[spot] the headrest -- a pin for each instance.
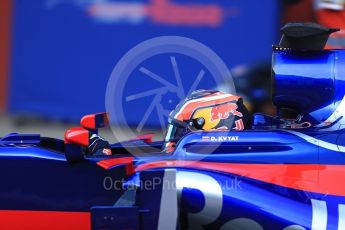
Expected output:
(305, 36)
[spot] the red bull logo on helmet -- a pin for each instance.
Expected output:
(224, 111)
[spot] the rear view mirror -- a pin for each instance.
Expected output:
(77, 136)
(95, 121)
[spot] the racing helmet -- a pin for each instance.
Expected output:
(207, 110)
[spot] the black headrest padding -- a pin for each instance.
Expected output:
(305, 36)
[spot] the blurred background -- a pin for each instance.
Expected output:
(56, 56)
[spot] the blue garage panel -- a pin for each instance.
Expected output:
(63, 51)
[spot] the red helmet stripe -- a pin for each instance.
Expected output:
(188, 109)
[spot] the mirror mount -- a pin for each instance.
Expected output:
(75, 140)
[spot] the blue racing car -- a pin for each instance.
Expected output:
(217, 168)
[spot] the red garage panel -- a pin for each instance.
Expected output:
(5, 18)
(301, 12)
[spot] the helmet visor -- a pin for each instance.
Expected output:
(176, 130)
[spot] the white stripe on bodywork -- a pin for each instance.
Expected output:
(168, 211)
(319, 219)
(323, 144)
(339, 112)
(203, 99)
(213, 197)
(341, 222)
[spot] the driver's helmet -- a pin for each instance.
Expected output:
(206, 110)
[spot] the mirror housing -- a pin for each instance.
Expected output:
(94, 121)
(79, 136)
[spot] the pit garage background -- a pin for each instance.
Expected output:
(57, 55)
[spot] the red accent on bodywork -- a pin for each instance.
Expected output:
(130, 169)
(148, 138)
(52, 220)
(325, 179)
(127, 161)
(78, 136)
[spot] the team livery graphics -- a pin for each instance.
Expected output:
(220, 138)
